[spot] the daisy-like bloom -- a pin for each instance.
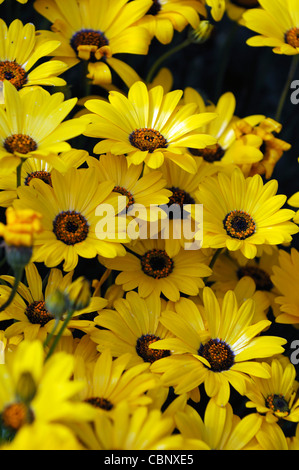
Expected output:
(229, 150)
(228, 270)
(20, 51)
(35, 391)
(276, 397)
(166, 16)
(32, 319)
(221, 429)
(39, 168)
(284, 278)
(140, 429)
(148, 126)
(109, 382)
(130, 327)
(95, 32)
(147, 190)
(218, 348)
(151, 269)
(272, 148)
(31, 125)
(276, 24)
(243, 213)
(183, 186)
(71, 210)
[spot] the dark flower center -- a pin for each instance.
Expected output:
(37, 313)
(88, 37)
(42, 175)
(239, 224)
(148, 354)
(124, 192)
(218, 354)
(155, 8)
(277, 403)
(156, 263)
(292, 37)
(70, 227)
(99, 402)
(147, 139)
(20, 143)
(209, 154)
(13, 72)
(15, 415)
(261, 278)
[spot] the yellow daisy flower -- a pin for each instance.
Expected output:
(284, 278)
(130, 327)
(276, 24)
(221, 429)
(32, 319)
(228, 270)
(270, 436)
(148, 126)
(109, 381)
(20, 50)
(31, 125)
(39, 168)
(249, 143)
(275, 397)
(220, 349)
(70, 209)
(146, 190)
(243, 213)
(35, 391)
(149, 268)
(166, 16)
(141, 429)
(96, 32)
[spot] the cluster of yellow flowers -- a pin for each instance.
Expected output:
(148, 258)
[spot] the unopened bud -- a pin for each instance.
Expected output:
(56, 303)
(202, 33)
(78, 294)
(18, 256)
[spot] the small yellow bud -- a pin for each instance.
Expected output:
(56, 303)
(21, 226)
(78, 294)
(202, 33)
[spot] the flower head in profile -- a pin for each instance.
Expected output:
(148, 126)
(243, 213)
(217, 345)
(166, 16)
(276, 23)
(20, 52)
(95, 32)
(31, 125)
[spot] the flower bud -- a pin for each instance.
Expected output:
(78, 294)
(56, 303)
(202, 33)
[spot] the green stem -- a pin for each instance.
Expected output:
(164, 57)
(286, 88)
(50, 336)
(19, 171)
(58, 336)
(18, 277)
(213, 261)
